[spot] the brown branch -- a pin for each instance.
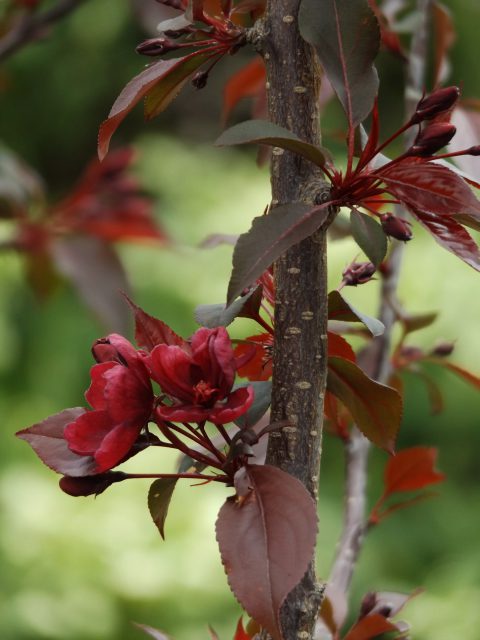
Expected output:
(33, 26)
(376, 359)
(299, 363)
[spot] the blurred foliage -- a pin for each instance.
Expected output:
(83, 569)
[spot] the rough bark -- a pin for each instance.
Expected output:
(300, 364)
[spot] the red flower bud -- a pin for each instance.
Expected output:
(396, 227)
(358, 273)
(156, 46)
(443, 349)
(434, 104)
(200, 79)
(432, 138)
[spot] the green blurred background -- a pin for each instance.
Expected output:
(83, 569)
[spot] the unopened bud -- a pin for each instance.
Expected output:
(437, 102)
(200, 79)
(156, 46)
(358, 273)
(396, 227)
(472, 151)
(432, 139)
(368, 603)
(443, 349)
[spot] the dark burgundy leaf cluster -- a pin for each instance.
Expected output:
(73, 237)
(205, 31)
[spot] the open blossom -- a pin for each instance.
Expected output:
(121, 397)
(198, 378)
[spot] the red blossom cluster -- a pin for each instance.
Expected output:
(196, 378)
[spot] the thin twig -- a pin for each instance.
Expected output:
(376, 359)
(33, 26)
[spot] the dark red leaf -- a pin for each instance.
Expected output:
(259, 366)
(459, 371)
(376, 408)
(248, 82)
(444, 37)
(369, 236)
(95, 270)
(269, 237)
(342, 311)
(163, 80)
(159, 497)
(450, 235)
(346, 36)
(265, 546)
(411, 469)
(419, 321)
(430, 187)
(46, 439)
(339, 347)
(240, 633)
(265, 132)
(369, 627)
(216, 315)
(150, 331)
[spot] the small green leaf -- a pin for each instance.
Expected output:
(376, 408)
(264, 132)
(369, 236)
(159, 497)
(342, 311)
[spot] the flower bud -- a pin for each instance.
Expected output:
(437, 102)
(156, 46)
(358, 273)
(432, 139)
(443, 349)
(200, 79)
(396, 227)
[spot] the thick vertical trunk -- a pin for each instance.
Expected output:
(300, 363)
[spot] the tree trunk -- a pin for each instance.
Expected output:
(300, 351)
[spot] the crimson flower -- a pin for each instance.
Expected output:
(122, 399)
(198, 377)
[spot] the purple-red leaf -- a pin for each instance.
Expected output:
(430, 187)
(376, 408)
(267, 537)
(411, 469)
(95, 270)
(216, 315)
(370, 626)
(269, 237)
(369, 236)
(46, 439)
(161, 81)
(265, 132)
(346, 35)
(450, 235)
(159, 497)
(150, 331)
(340, 310)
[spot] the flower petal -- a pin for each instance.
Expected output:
(236, 405)
(115, 446)
(174, 371)
(86, 433)
(95, 394)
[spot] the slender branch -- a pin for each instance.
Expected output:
(299, 360)
(33, 26)
(376, 359)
